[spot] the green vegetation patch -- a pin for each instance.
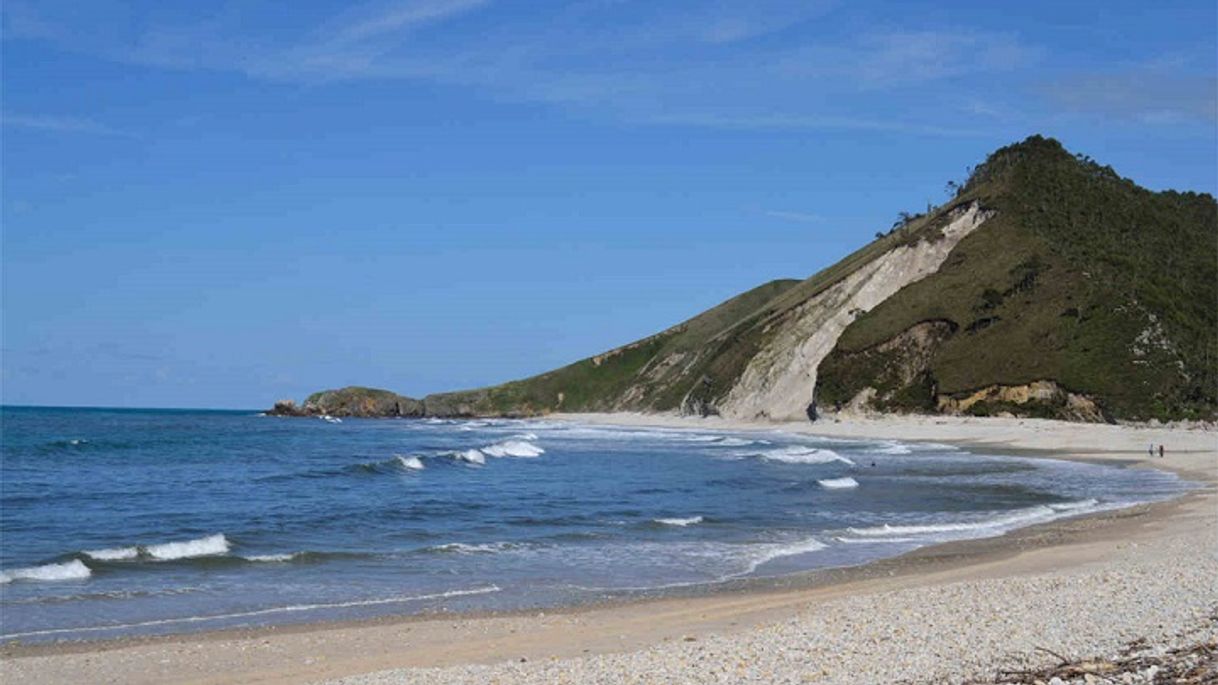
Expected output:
(1081, 277)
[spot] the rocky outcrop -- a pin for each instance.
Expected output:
(1040, 399)
(286, 408)
(351, 401)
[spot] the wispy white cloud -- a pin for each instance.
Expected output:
(58, 124)
(771, 64)
(402, 17)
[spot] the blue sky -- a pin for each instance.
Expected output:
(223, 204)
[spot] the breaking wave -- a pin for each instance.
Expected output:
(113, 553)
(724, 441)
(410, 463)
(838, 483)
(272, 558)
(465, 548)
(680, 521)
(798, 454)
(68, 570)
(770, 552)
(212, 545)
(513, 448)
(984, 528)
(468, 456)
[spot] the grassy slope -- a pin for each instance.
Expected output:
(1059, 285)
(705, 354)
(600, 382)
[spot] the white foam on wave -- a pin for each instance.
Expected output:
(797, 454)
(513, 448)
(470, 456)
(271, 558)
(895, 448)
(482, 548)
(113, 553)
(211, 545)
(740, 442)
(875, 541)
(261, 612)
(987, 527)
(689, 521)
(723, 440)
(411, 463)
(838, 483)
(68, 570)
(767, 553)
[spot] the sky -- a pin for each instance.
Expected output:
(224, 204)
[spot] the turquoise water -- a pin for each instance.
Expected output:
(116, 522)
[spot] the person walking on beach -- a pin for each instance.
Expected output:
(1151, 450)
(1160, 451)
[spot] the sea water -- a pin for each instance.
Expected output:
(119, 522)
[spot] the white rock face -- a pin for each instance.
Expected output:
(780, 380)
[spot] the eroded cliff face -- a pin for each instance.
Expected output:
(779, 382)
(1043, 398)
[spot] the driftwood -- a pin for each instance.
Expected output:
(1190, 665)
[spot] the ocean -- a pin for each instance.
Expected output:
(131, 522)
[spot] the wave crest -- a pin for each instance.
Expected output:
(682, 522)
(513, 448)
(466, 548)
(469, 456)
(410, 463)
(211, 545)
(798, 454)
(1040, 513)
(68, 570)
(113, 553)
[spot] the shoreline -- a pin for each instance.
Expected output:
(340, 648)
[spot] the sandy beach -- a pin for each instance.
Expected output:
(958, 612)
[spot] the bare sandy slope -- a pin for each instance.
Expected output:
(941, 614)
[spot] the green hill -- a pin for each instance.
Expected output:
(1081, 278)
(1047, 286)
